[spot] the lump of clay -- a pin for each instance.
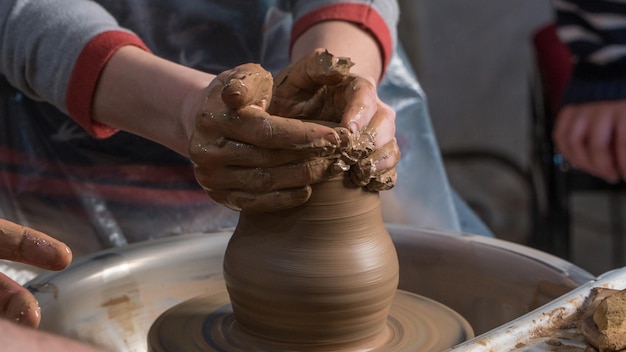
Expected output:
(610, 320)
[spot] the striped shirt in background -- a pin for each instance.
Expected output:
(595, 33)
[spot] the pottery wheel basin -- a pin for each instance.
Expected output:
(111, 298)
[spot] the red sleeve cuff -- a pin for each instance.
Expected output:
(359, 14)
(85, 75)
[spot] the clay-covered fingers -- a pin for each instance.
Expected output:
(380, 126)
(375, 131)
(377, 171)
(17, 304)
(29, 246)
(247, 84)
(250, 137)
(237, 133)
(245, 157)
(22, 244)
(319, 68)
(320, 87)
(305, 89)
(258, 180)
(253, 126)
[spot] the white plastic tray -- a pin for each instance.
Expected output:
(552, 327)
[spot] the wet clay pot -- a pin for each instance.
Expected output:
(322, 275)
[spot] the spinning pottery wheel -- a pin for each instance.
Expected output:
(319, 277)
(114, 297)
(206, 323)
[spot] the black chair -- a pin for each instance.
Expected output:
(554, 179)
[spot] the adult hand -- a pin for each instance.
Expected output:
(246, 158)
(320, 87)
(25, 245)
(592, 137)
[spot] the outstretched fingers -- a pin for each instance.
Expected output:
(17, 304)
(29, 246)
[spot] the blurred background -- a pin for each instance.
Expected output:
(475, 61)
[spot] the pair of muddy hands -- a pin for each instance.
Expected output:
(260, 142)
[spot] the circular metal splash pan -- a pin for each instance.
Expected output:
(111, 298)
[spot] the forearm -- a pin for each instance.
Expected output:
(154, 98)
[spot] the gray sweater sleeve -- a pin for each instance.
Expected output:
(40, 41)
